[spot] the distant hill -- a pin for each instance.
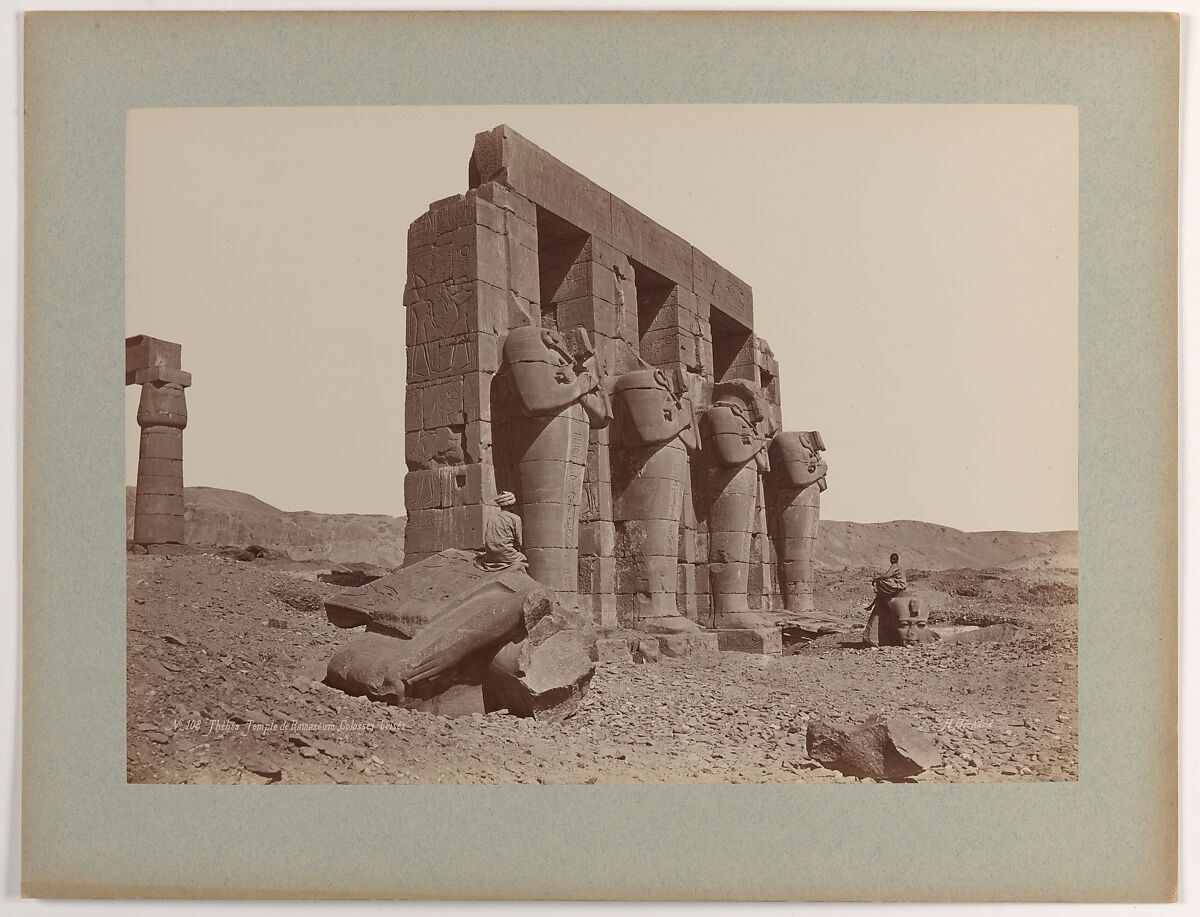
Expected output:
(226, 517)
(926, 546)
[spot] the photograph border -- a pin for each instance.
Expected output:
(1110, 836)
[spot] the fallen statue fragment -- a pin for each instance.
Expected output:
(447, 629)
(883, 748)
(993, 633)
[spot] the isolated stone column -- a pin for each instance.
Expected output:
(158, 516)
(798, 473)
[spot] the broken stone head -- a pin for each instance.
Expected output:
(912, 624)
(899, 620)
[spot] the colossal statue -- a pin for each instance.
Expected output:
(737, 430)
(656, 429)
(558, 398)
(445, 624)
(799, 478)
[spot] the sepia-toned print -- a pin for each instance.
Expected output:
(550, 480)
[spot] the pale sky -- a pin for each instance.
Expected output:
(914, 268)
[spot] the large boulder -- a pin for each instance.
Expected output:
(883, 748)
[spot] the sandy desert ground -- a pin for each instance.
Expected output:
(226, 659)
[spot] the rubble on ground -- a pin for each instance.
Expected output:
(212, 686)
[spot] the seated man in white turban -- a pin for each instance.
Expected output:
(502, 535)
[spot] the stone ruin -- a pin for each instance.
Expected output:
(158, 516)
(446, 636)
(564, 346)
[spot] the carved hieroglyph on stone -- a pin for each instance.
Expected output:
(656, 428)
(736, 434)
(557, 400)
(158, 516)
(445, 623)
(799, 478)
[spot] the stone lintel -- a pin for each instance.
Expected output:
(503, 156)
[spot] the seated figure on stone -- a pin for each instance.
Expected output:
(502, 535)
(897, 618)
(891, 582)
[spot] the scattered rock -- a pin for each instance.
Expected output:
(646, 650)
(298, 595)
(257, 764)
(154, 667)
(612, 650)
(253, 552)
(348, 579)
(885, 748)
(741, 715)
